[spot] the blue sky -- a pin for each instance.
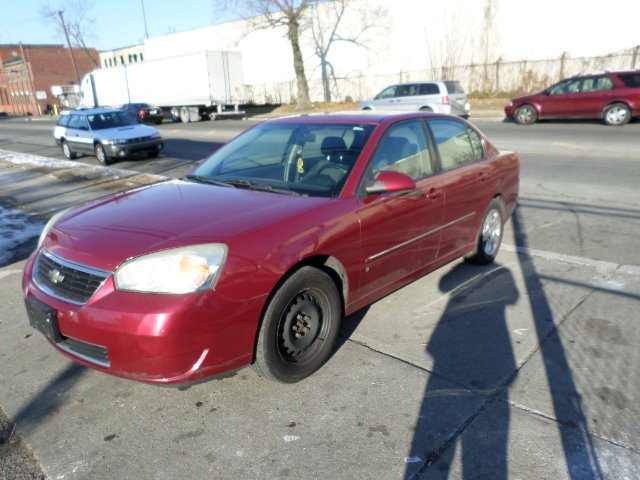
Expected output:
(118, 23)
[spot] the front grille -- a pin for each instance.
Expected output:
(138, 140)
(66, 280)
(86, 351)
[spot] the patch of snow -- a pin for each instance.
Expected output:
(16, 228)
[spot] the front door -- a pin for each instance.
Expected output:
(401, 231)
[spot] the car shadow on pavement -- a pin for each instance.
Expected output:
(473, 366)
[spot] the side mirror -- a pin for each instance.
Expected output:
(391, 182)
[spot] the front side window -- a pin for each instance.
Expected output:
(403, 149)
(568, 86)
(457, 144)
(388, 92)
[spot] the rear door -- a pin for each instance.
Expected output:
(596, 93)
(465, 180)
(77, 134)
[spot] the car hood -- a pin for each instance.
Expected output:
(528, 98)
(125, 133)
(105, 233)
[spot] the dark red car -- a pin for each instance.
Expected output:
(612, 96)
(256, 256)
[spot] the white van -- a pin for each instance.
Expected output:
(433, 96)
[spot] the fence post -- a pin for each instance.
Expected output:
(563, 57)
(496, 87)
(635, 56)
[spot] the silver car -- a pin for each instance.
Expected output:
(433, 96)
(106, 133)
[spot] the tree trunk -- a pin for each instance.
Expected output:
(325, 80)
(298, 65)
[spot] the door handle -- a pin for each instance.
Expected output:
(483, 176)
(434, 193)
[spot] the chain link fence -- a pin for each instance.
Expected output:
(498, 79)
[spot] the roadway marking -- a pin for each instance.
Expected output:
(570, 145)
(582, 261)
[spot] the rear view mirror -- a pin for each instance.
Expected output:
(391, 182)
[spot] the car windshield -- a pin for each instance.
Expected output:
(312, 159)
(102, 121)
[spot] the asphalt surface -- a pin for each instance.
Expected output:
(523, 369)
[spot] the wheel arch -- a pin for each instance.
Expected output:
(325, 263)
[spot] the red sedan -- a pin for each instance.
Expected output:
(256, 256)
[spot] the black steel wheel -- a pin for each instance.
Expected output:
(299, 327)
(489, 235)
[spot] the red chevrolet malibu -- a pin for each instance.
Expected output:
(256, 256)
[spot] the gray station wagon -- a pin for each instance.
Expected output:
(445, 96)
(106, 133)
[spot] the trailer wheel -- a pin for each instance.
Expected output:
(185, 116)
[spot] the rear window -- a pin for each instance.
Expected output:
(631, 80)
(454, 87)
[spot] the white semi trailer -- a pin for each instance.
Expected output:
(192, 86)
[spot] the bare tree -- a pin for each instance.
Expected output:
(76, 21)
(325, 21)
(290, 14)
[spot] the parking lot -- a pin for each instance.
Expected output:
(526, 368)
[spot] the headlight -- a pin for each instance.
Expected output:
(52, 221)
(156, 136)
(179, 270)
(114, 142)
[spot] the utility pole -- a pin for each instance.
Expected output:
(33, 88)
(144, 17)
(66, 35)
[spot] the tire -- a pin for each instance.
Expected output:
(66, 150)
(489, 236)
(616, 114)
(426, 109)
(101, 155)
(526, 115)
(299, 327)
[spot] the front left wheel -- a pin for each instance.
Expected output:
(101, 155)
(299, 327)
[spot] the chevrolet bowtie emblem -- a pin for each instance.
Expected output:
(55, 276)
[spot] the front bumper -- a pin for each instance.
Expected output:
(128, 149)
(153, 338)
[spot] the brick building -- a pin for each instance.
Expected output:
(45, 66)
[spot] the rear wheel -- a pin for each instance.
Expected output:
(66, 149)
(526, 115)
(616, 114)
(490, 234)
(101, 155)
(299, 327)
(426, 109)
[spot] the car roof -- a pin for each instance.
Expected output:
(90, 111)
(359, 116)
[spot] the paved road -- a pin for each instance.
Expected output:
(525, 369)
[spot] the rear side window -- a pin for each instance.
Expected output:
(454, 87)
(64, 120)
(429, 89)
(630, 80)
(597, 84)
(407, 90)
(458, 145)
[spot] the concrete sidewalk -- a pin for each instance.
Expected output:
(525, 369)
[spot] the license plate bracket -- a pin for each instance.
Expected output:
(43, 318)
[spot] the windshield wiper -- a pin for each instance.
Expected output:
(211, 181)
(242, 183)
